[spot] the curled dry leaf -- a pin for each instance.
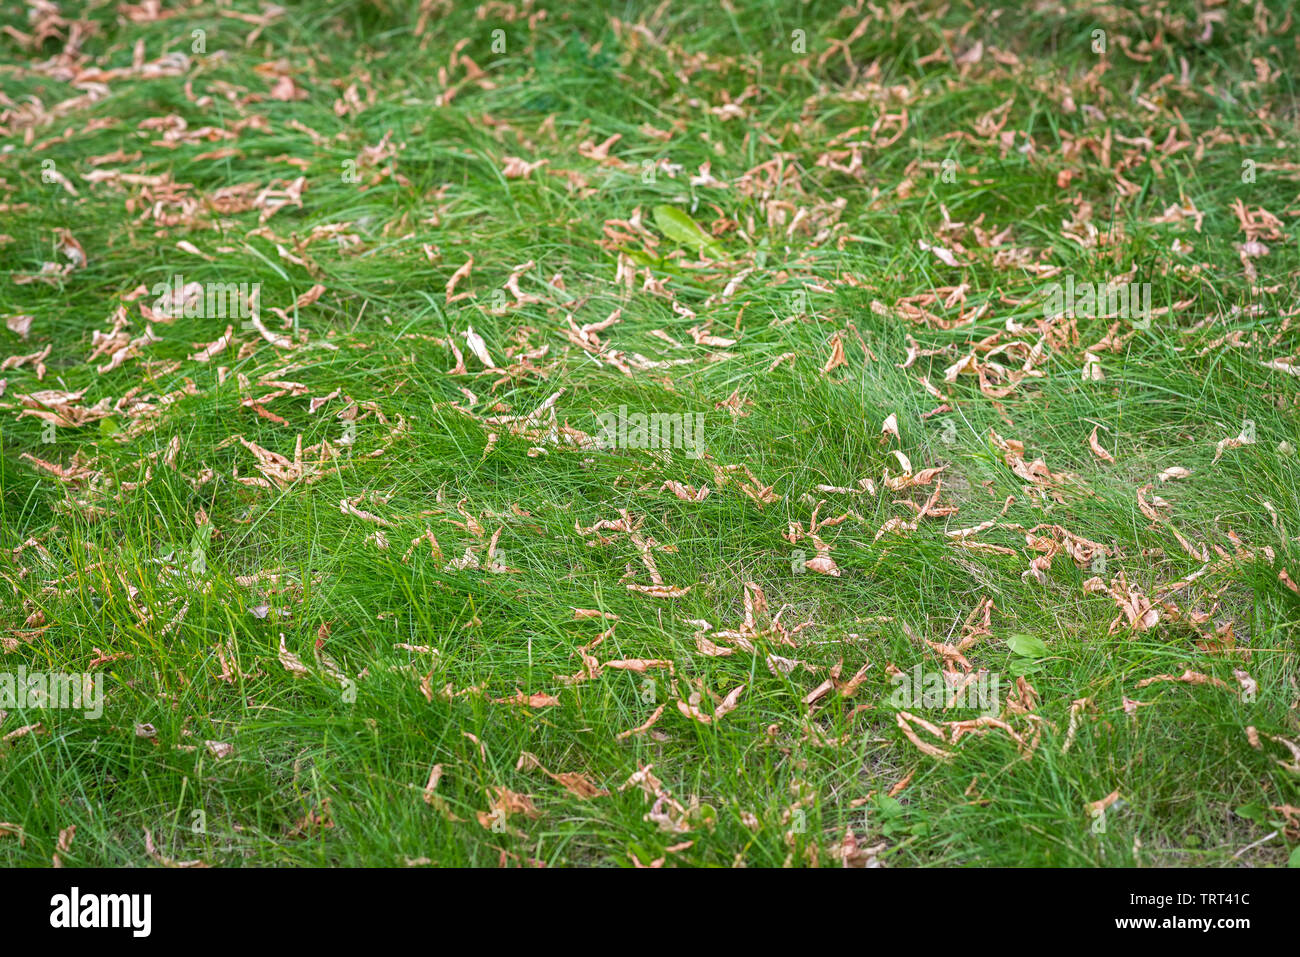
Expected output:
(660, 591)
(905, 721)
(1294, 765)
(1092, 371)
(291, 662)
(1077, 708)
(63, 845)
(537, 700)
(576, 784)
(165, 861)
(19, 325)
(1187, 677)
(479, 347)
(852, 854)
(890, 427)
(643, 727)
(1246, 437)
(274, 338)
(435, 800)
(837, 358)
(639, 665)
(1094, 808)
(22, 732)
(67, 244)
(687, 493)
(1096, 448)
(504, 805)
(727, 705)
(823, 564)
(347, 508)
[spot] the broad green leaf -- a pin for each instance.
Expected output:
(1024, 667)
(1027, 646)
(680, 228)
(1253, 812)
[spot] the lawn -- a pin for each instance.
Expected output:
(683, 434)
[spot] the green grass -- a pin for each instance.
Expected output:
(151, 566)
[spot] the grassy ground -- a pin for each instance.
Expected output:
(362, 584)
